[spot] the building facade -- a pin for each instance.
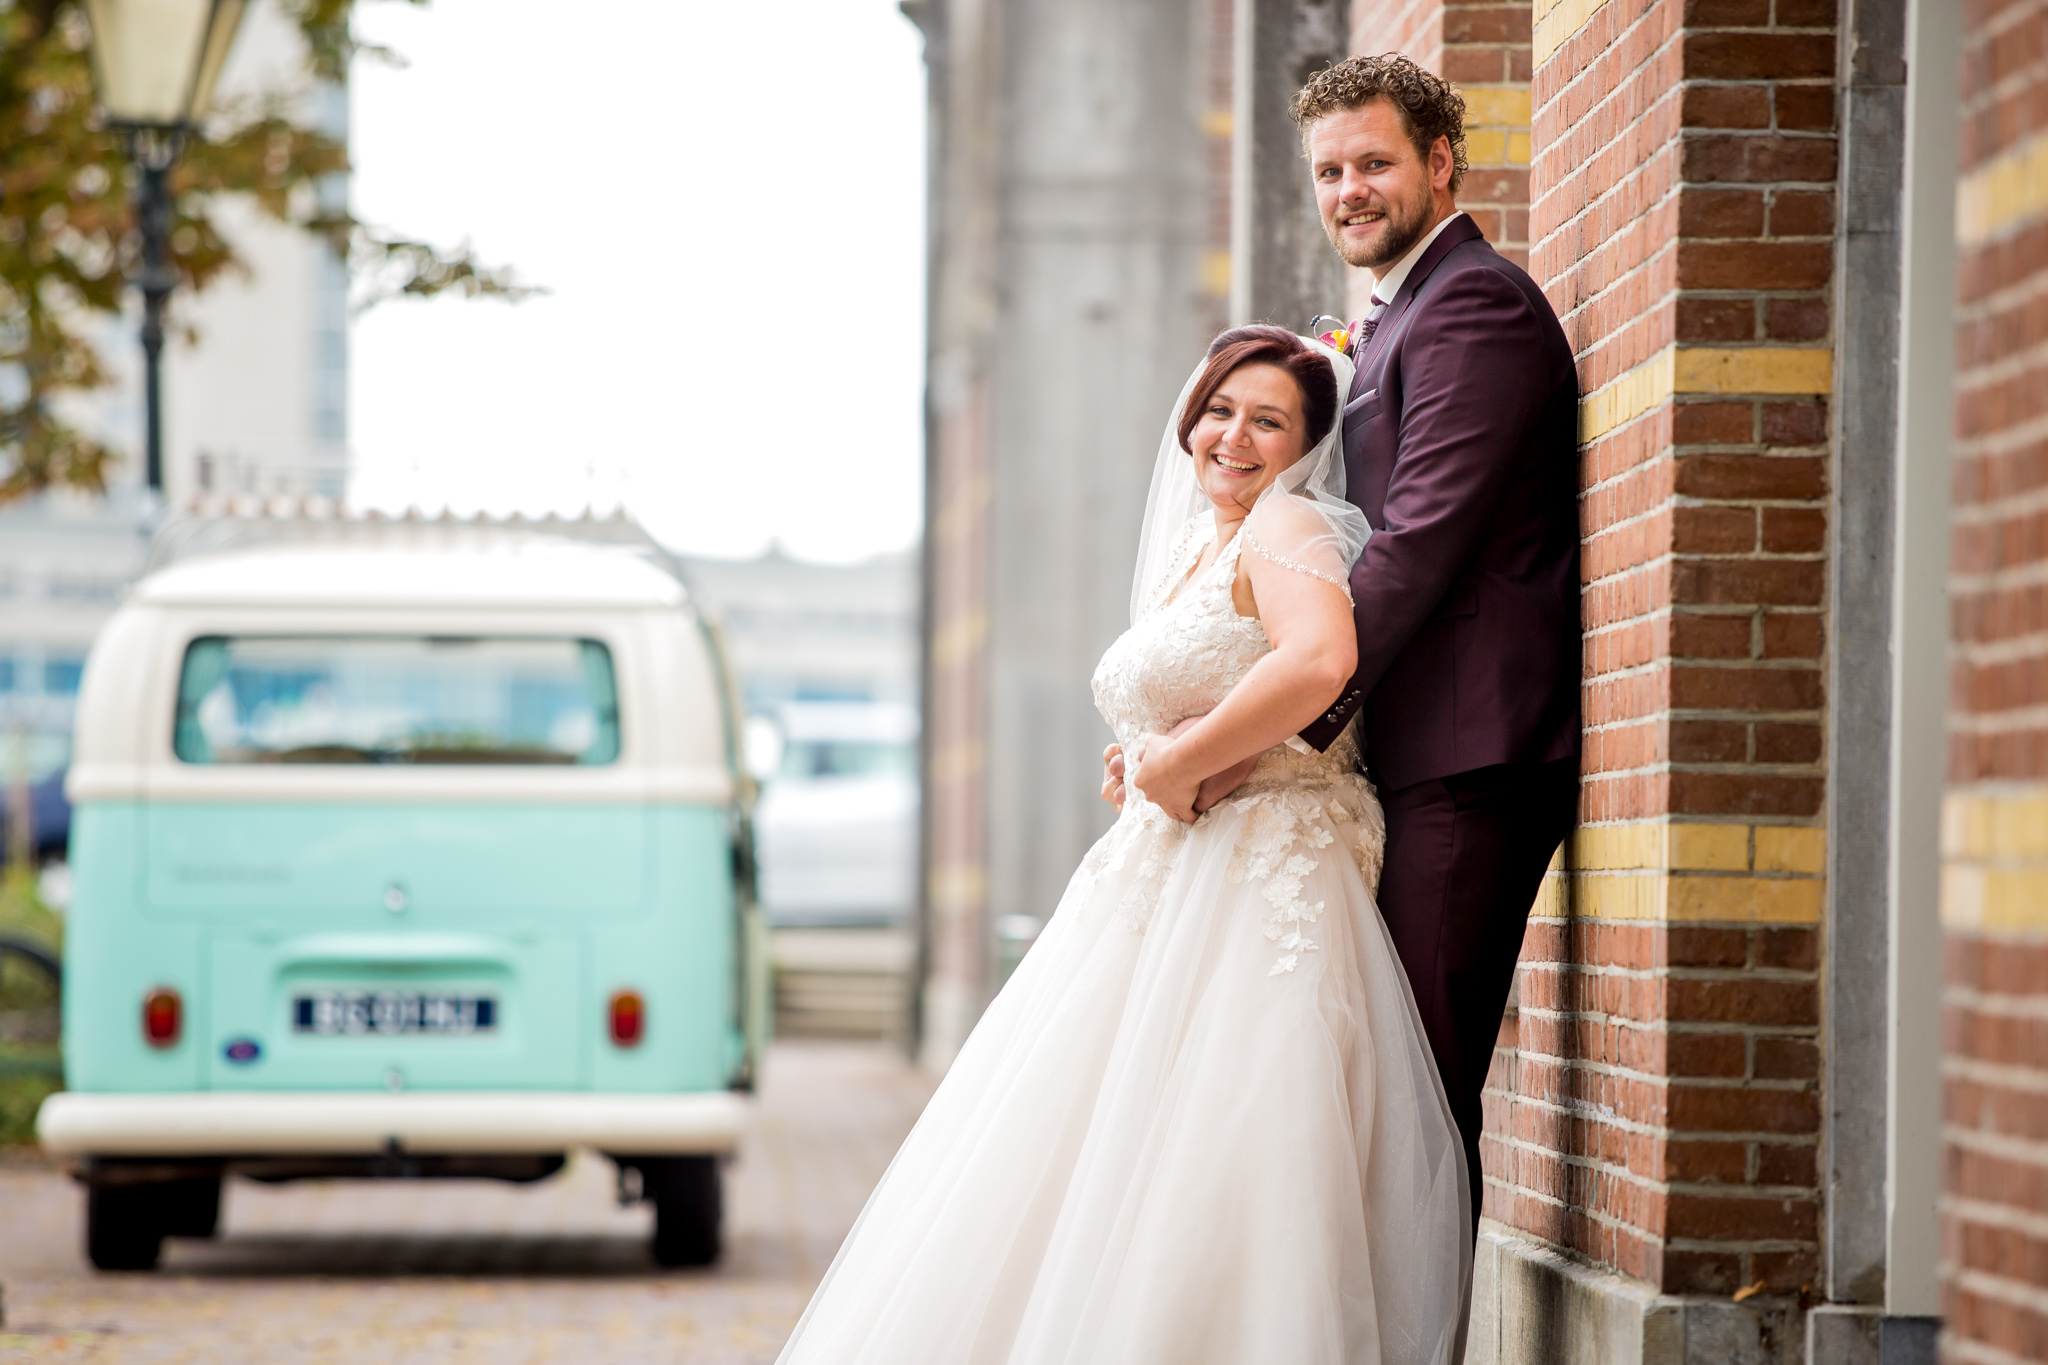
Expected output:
(1774, 1084)
(797, 631)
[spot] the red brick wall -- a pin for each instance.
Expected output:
(1995, 892)
(1486, 55)
(1659, 1109)
(1414, 27)
(1655, 1103)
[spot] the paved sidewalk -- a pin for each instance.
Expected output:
(478, 1271)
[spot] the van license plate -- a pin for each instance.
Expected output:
(388, 1012)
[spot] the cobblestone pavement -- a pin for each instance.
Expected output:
(458, 1271)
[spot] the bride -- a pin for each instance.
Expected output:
(1200, 1124)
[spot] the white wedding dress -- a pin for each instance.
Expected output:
(1200, 1125)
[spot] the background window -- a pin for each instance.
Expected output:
(340, 699)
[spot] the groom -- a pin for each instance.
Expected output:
(1461, 448)
(1460, 445)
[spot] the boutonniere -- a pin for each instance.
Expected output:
(1338, 338)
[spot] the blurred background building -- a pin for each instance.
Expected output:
(826, 658)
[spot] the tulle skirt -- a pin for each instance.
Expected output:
(1200, 1124)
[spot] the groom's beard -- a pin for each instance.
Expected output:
(1405, 224)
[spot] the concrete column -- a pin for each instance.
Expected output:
(1920, 657)
(1101, 315)
(1872, 66)
(1282, 269)
(1070, 214)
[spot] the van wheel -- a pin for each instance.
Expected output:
(688, 1208)
(123, 1227)
(191, 1207)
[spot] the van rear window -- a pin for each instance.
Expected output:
(396, 699)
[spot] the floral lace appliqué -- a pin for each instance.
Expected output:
(1161, 837)
(1275, 848)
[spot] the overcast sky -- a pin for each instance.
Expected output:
(726, 205)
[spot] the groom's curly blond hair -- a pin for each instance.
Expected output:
(1429, 105)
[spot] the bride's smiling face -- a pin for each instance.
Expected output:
(1252, 429)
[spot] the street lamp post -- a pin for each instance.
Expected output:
(154, 65)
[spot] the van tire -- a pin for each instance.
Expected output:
(689, 1207)
(123, 1227)
(190, 1207)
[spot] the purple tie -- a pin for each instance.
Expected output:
(1371, 323)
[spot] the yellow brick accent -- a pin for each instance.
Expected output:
(1216, 273)
(960, 518)
(1791, 848)
(1751, 900)
(959, 637)
(1754, 369)
(955, 887)
(1555, 21)
(1689, 872)
(2004, 192)
(1496, 106)
(1519, 153)
(1628, 397)
(1681, 900)
(1994, 845)
(1703, 369)
(1486, 146)
(956, 762)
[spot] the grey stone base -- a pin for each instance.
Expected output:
(1531, 1306)
(1837, 1334)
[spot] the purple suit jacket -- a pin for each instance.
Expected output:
(1461, 448)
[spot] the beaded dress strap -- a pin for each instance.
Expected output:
(1285, 563)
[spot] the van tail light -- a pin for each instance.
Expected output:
(163, 1017)
(628, 1018)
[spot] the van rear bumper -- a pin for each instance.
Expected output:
(329, 1123)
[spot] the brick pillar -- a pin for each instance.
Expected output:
(1663, 1117)
(1995, 825)
(1218, 124)
(1482, 47)
(954, 934)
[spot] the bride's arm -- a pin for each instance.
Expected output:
(1315, 650)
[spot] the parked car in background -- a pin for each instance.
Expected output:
(836, 827)
(407, 850)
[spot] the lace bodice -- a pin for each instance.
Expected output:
(1188, 649)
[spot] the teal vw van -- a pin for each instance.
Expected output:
(405, 850)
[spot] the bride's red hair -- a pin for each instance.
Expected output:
(1261, 344)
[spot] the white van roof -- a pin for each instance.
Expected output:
(498, 569)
